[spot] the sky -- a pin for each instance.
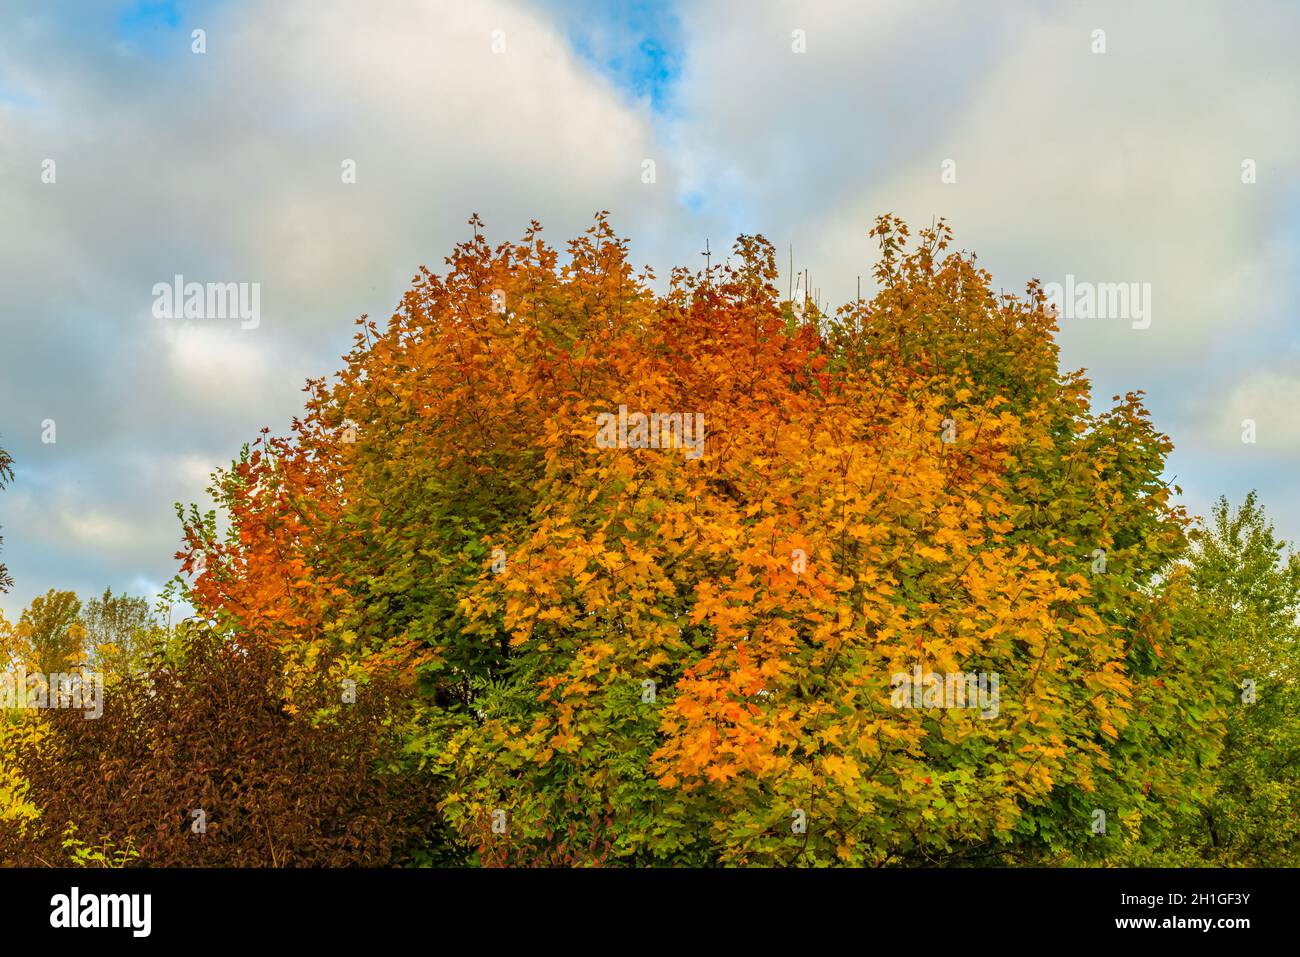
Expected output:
(1106, 142)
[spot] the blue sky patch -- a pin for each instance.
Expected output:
(150, 24)
(637, 45)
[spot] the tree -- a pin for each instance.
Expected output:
(49, 633)
(120, 632)
(1251, 581)
(661, 656)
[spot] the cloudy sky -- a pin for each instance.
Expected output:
(127, 158)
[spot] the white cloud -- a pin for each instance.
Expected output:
(226, 167)
(214, 362)
(96, 529)
(1122, 166)
(1271, 399)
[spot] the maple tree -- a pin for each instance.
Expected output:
(643, 656)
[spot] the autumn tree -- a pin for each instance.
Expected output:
(50, 634)
(635, 653)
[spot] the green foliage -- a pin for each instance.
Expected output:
(120, 633)
(1246, 811)
(81, 854)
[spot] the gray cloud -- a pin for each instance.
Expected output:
(226, 167)
(1122, 166)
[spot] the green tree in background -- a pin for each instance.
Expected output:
(1252, 581)
(119, 632)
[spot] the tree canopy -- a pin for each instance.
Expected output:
(572, 566)
(691, 656)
